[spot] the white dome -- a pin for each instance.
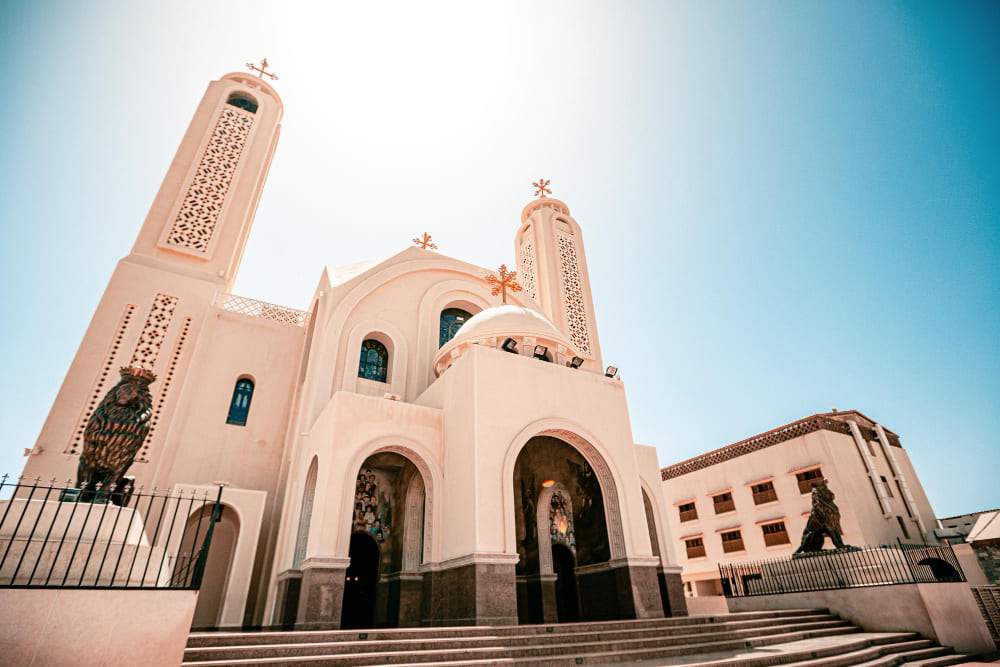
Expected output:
(507, 321)
(494, 325)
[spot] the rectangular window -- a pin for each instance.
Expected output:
(695, 547)
(888, 488)
(688, 512)
(902, 527)
(724, 503)
(732, 541)
(902, 496)
(764, 493)
(775, 534)
(806, 477)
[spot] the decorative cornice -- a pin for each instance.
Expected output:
(831, 421)
(475, 558)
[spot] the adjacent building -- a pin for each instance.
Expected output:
(750, 500)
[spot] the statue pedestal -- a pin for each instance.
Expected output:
(839, 568)
(85, 544)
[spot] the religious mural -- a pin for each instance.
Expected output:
(561, 522)
(373, 504)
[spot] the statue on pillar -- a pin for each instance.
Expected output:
(824, 519)
(113, 436)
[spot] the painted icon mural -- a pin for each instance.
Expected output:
(373, 504)
(561, 521)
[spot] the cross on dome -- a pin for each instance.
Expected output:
(507, 280)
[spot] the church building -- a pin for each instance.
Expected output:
(425, 443)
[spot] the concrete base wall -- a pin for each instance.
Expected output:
(94, 627)
(707, 604)
(944, 612)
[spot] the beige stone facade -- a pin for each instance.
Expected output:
(750, 500)
(387, 416)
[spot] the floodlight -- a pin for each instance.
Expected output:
(576, 362)
(510, 345)
(611, 371)
(540, 351)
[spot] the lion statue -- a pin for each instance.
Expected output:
(824, 519)
(114, 435)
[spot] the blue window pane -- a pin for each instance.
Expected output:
(374, 361)
(452, 320)
(239, 406)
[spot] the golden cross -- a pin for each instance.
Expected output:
(262, 70)
(542, 188)
(425, 242)
(507, 280)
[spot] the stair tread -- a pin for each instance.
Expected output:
(583, 637)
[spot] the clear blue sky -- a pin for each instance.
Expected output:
(787, 206)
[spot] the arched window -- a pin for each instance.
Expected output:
(374, 361)
(452, 320)
(239, 407)
(242, 102)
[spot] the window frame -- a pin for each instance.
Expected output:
(367, 345)
(233, 416)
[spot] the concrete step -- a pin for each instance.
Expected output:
(877, 654)
(566, 653)
(624, 639)
(200, 639)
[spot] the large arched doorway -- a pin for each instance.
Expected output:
(387, 514)
(361, 584)
(559, 509)
(215, 578)
(567, 597)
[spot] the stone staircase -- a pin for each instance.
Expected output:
(810, 637)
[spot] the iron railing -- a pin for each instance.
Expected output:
(873, 566)
(56, 536)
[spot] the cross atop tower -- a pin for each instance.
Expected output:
(262, 70)
(507, 280)
(542, 188)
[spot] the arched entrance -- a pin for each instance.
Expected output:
(559, 509)
(215, 579)
(941, 569)
(388, 511)
(361, 583)
(567, 598)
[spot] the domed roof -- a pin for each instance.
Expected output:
(505, 321)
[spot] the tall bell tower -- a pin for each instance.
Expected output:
(188, 249)
(553, 269)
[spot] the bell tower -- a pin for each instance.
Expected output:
(201, 217)
(187, 251)
(553, 269)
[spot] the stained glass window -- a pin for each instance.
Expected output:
(239, 407)
(452, 320)
(374, 361)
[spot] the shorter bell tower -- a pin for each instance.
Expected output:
(553, 269)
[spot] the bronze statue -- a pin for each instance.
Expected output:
(113, 437)
(824, 519)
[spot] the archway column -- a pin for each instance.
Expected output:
(321, 594)
(475, 589)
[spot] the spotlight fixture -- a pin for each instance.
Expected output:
(611, 371)
(391, 397)
(510, 345)
(547, 483)
(576, 362)
(540, 351)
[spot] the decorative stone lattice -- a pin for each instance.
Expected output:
(165, 382)
(97, 393)
(528, 268)
(262, 309)
(154, 331)
(195, 223)
(572, 289)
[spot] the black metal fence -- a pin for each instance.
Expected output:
(56, 536)
(855, 568)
